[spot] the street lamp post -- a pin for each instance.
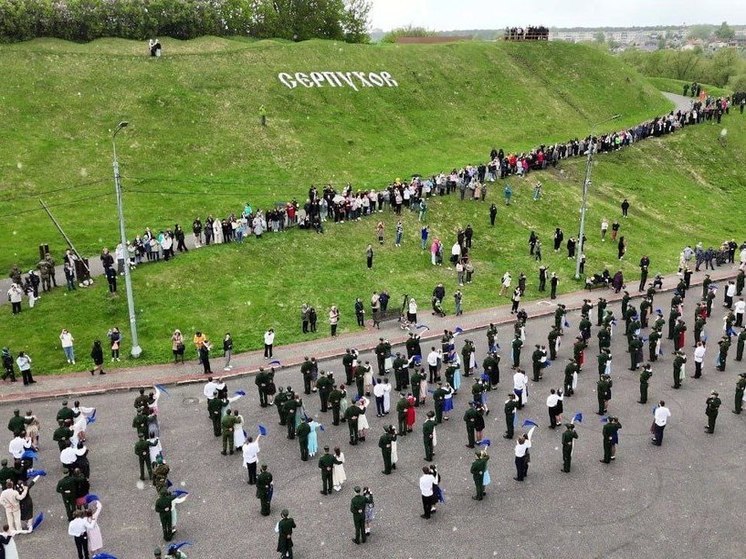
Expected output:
(136, 349)
(586, 186)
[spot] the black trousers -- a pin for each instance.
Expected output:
(267, 350)
(81, 543)
(252, 472)
(427, 503)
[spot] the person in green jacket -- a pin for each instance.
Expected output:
(740, 389)
(510, 410)
(66, 487)
(384, 443)
(357, 508)
(163, 507)
(215, 408)
(290, 408)
(609, 433)
(568, 440)
(335, 402)
(142, 451)
(326, 465)
(351, 415)
(470, 418)
(428, 436)
(417, 376)
(285, 535)
(228, 424)
(478, 467)
(16, 423)
(264, 489)
(647, 372)
(304, 429)
(711, 411)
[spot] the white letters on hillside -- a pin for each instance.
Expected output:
(354, 80)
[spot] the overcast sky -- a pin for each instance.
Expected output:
(443, 15)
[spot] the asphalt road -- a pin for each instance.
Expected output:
(683, 499)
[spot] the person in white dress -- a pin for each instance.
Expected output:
(394, 447)
(239, 435)
(338, 471)
(362, 420)
(386, 396)
(8, 543)
(95, 541)
(217, 232)
(156, 449)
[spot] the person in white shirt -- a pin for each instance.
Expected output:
(67, 341)
(24, 365)
(68, 457)
(378, 392)
(739, 309)
(730, 292)
(662, 413)
(520, 387)
(433, 359)
(78, 529)
(522, 446)
(554, 405)
(269, 339)
(699, 356)
(19, 445)
(250, 457)
(427, 480)
(10, 499)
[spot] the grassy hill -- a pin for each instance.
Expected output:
(467, 98)
(195, 145)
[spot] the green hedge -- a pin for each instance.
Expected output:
(86, 20)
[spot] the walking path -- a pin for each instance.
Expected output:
(292, 355)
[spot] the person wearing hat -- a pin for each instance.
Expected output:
(142, 451)
(603, 393)
(7, 473)
(678, 368)
(357, 508)
(723, 347)
(66, 487)
(16, 423)
(160, 473)
(439, 397)
(385, 444)
(326, 465)
(429, 435)
(324, 385)
(711, 411)
(478, 467)
(264, 489)
(163, 508)
(335, 402)
(740, 389)
(470, 418)
(351, 415)
(284, 530)
(228, 424)
(302, 432)
(568, 438)
(65, 413)
(290, 408)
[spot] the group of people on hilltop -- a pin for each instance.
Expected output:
(530, 33)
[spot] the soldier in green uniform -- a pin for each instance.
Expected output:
(608, 432)
(439, 397)
(262, 382)
(740, 389)
(417, 376)
(740, 344)
(515, 347)
(510, 410)
(477, 470)
(711, 411)
(215, 408)
(699, 325)
(401, 414)
(601, 310)
(160, 474)
(625, 302)
(568, 438)
(279, 402)
(304, 429)
(347, 360)
(7, 473)
(384, 443)
(635, 352)
(357, 508)
(163, 508)
(360, 371)
(62, 435)
(335, 401)
(645, 375)
(492, 338)
(16, 424)
(228, 424)
(351, 415)
(723, 347)
(570, 369)
(536, 364)
(66, 487)
(264, 487)
(678, 364)
(326, 465)
(653, 338)
(554, 333)
(428, 435)
(603, 393)
(585, 327)
(142, 451)
(400, 372)
(285, 535)
(290, 408)
(491, 366)
(324, 385)
(142, 401)
(140, 421)
(306, 369)
(603, 358)
(65, 413)
(470, 418)
(559, 313)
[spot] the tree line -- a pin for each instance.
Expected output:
(86, 20)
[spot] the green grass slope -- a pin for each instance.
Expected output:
(683, 189)
(195, 145)
(677, 86)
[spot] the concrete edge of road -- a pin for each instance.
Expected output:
(196, 378)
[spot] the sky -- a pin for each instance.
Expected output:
(445, 15)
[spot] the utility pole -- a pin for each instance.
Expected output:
(136, 349)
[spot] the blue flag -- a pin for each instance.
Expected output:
(578, 417)
(162, 388)
(103, 556)
(659, 311)
(321, 427)
(275, 363)
(654, 408)
(174, 547)
(179, 492)
(34, 473)
(263, 430)
(731, 332)
(567, 324)
(29, 455)
(38, 520)
(515, 420)
(91, 418)
(529, 423)
(239, 393)
(417, 359)
(169, 483)
(485, 442)
(485, 377)
(604, 419)
(498, 347)
(423, 327)
(90, 498)
(458, 330)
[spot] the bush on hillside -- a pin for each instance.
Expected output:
(408, 31)
(85, 20)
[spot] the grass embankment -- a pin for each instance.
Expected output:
(675, 186)
(677, 86)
